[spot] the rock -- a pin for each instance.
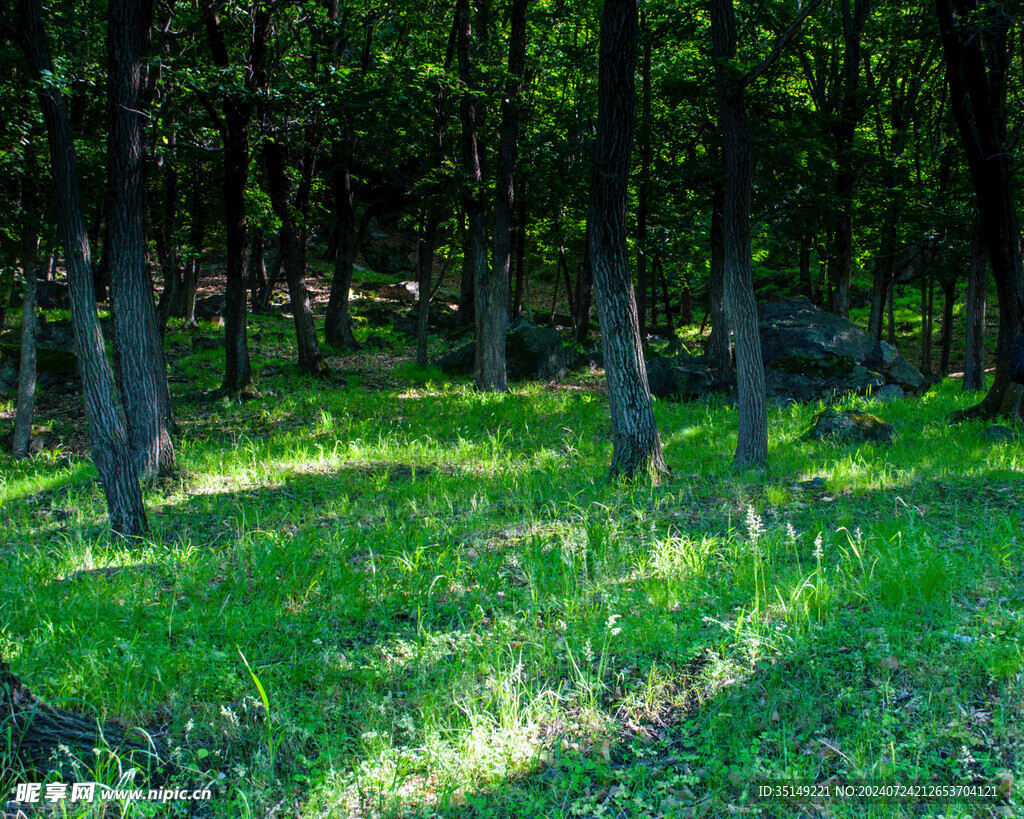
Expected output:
(442, 317)
(886, 394)
(998, 434)
(531, 352)
(798, 339)
(795, 327)
(50, 295)
(403, 291)
(680, 378)
(887, 360)
(850, 427)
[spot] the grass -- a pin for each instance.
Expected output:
(403, 598)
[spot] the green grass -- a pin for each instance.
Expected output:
(422, 601)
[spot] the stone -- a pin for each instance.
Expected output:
(531, 352)
(679, 378)
(402, 291)
(998, 434)
(886, 394)
(850, 427)
(798, 339)
(887, 360)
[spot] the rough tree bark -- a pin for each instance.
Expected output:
(138, 348)
(844, 130)
(974, 319)
(109, 442)
(719, 343)
(636, 446)
(490, 303)
(22, 441)
(234, 128)
(293, 258)
(493, 295)
(976, 54)
(738, 162)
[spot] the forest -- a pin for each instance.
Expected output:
(511, 408)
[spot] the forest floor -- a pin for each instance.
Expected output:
(382, 594)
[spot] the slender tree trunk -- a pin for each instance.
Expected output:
(636, 446)
(844, 132)
(167, 248)
(256, 275)
(976, 65)
(27, 366)
(517, 298)
(111, 452)
(137, 340)
(196, 234)
(974, 355)
(719, 345)
(645, 179)
(948, 300)
(584, 297)
(425, 248)
(806, 242)
(927, 283)
(238, 108)
(293, 258)
(738, 161)
(338, 322)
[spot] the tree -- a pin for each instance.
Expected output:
(636, 446)
(975, 36)
(110, 449)
(493, 296)
(738, 165)
(138, 351)
(237, 104)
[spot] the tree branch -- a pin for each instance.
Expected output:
(781, 42)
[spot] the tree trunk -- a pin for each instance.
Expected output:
(425, 249)
(517, 297)
(111, 453)
(256, 275)
(645, 179)
(844, 132)
(27, 366)
(948, 300)
(738, 161)
(138, 347)
(806, 242)
(926, 324)
(294, 259)
(167, 249)
(974, 354)
(196, 234)
(636, 446)
(489, 295)
(584, 298)
(337, 321)
(719, 344)
(976, 64)
(238, 109)
(494, 325)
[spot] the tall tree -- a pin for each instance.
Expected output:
(138, 350)
(738, 278)
(234, 126)
(975, 44)
(490, 307)
(636, 445)
(109, 442)
(494, 294)
(844, 129)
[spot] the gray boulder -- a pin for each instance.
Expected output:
(799, 339)
(680, 378)
(850, 427)
(531, 352)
